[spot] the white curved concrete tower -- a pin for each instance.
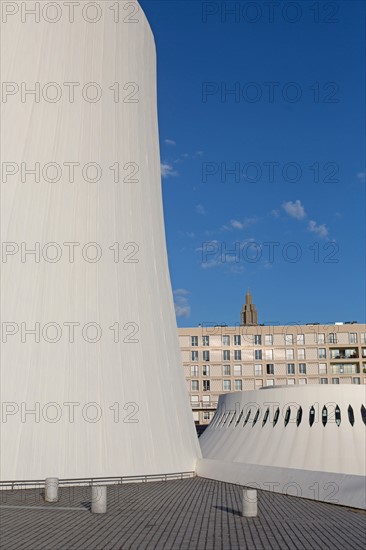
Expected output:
(101, 370)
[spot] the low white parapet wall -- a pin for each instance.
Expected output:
(343, 489)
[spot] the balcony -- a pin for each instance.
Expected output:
(344, 353)
(204, 405)
(345, 368)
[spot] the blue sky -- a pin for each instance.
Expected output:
(293, 211)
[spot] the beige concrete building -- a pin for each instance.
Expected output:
(223, 359)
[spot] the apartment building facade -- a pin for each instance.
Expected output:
(223, 359)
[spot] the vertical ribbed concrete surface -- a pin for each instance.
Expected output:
(103, 370)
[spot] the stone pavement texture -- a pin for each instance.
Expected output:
(186, 515)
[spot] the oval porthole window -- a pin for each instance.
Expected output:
(240, 417)
(247, 418)
(299, 416)
(351, 416)
(363, 413)
(311, 416)
(265, 418)
(226, 416)
(256, 417)
(324, 415)
(216, 421)
(232, 418)
(338, 415)
(287, 415)
(276, 416)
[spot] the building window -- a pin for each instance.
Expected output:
(226, 370)
(268, 354)
(344, 353)
(258, 354)
(206, 370)
(206, 385)
(344, 368)
(226, 355)
(290, 368)
(257, 340)
(335, 380)
(322, 368)
(194, 341)
(352, 338)
(194, 355)
(237, 354)
(302, 381)
(194, 370)
(206, 415)
(322, 353)
(226, 340)
(270, 368)
(291, 381)
(289, 354)
(258, 370)
(300, 339)
(363, 337)
(205, 340)
(270, 382)
(302, 368)
(226, 385)
(238, 385)
(321, 338)
(195, 385)
(268, 340)
(332, 338)
(324, 380)
(237, 370)
(356, 380)
(289, 339)
(206, 355)
(300, 354)
(237, 340)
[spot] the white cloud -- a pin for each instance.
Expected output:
(170, 142)
(320, 230)
(361, 176)
(181, 292)
(200, 209)
(294, 209)
(181, 305)
(236, 224)
(167, 171)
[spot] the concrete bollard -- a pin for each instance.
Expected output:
(51, 489)
(99, 499)
(250, 508)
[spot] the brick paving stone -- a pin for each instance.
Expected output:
(192, 514)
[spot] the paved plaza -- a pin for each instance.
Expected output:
(186, 515)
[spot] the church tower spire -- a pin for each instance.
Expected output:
(249, 314)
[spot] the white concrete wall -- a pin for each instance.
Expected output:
(156, 435)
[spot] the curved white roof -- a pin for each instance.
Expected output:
(303, 434)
